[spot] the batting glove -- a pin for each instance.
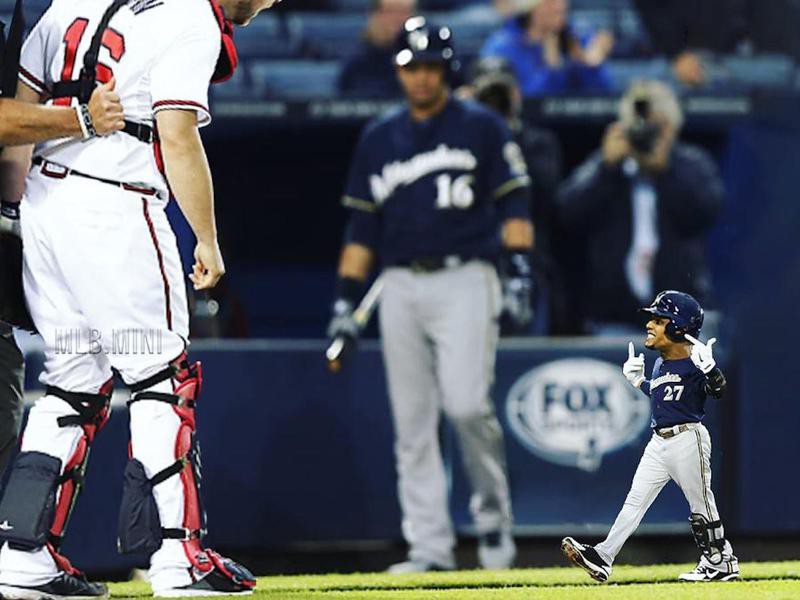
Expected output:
(517, 285)
(9, 218)
(702, 355)
(633, 369)
(342, 323)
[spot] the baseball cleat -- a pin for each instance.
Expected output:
(587, 558)
(227, 578)
(63, 587)
(496, 550)
(704, 572)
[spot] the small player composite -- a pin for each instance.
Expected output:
(683, 376)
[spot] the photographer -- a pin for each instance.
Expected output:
(642, 205)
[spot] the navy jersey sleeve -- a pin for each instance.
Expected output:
(507, 172)
(645, 387)
(364, 225)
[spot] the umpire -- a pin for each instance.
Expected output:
(22, 123)
(11, 362)
(440, 191)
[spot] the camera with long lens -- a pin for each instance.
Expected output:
(642, 133)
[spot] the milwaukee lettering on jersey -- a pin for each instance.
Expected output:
(398, 173)
(668, 378)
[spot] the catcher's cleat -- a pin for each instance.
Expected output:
(225, 578)
(587, 558)
(63, 587)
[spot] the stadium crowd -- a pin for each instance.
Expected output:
(318, 48)
(510, 50)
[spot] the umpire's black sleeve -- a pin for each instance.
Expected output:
(11, 374)
(587, 191)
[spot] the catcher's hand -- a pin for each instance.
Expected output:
(702, 355)
(208, 266)
(633, 369)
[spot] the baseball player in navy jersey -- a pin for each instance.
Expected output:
(683, 376)
(106, 290)
(439, 191)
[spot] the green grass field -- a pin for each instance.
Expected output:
(759, 581)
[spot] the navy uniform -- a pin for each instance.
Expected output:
(429, 197)
(11, 361)
(680, 448)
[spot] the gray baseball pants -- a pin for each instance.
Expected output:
(440, 333)
(684, 458)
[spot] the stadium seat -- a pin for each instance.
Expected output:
(238, 87)
(592, 20)
(601, 4)
(326, 35)
(266, 37)
(470, 29)
(624, 72)
(632, 39)
(359, 6)
(294, 79)
(767, 70)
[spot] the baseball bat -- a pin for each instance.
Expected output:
(361, 315)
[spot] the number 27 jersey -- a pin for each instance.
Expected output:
(162, 54)
(677, 389)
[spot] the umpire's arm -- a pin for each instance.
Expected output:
(25, 121)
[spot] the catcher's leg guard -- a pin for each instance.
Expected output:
(39, 498)
(709, 537)
(140, 526)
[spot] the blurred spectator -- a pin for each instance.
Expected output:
(685, 31)
(547, 57)
(643, 204)
(495, 86)
(689, 33)
(370, 70)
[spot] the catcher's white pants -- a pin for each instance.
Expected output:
(684, 458)
(105, 288)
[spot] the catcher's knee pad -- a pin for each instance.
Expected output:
(709, 537)
(140, 528)
(39, 498)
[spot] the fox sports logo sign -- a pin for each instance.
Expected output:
(572, 412)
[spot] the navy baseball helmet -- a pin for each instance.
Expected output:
(423, 41)
(684, 313)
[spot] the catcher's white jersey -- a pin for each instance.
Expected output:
(162, 54)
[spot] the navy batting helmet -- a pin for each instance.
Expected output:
(684, 313)
(423, 41)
